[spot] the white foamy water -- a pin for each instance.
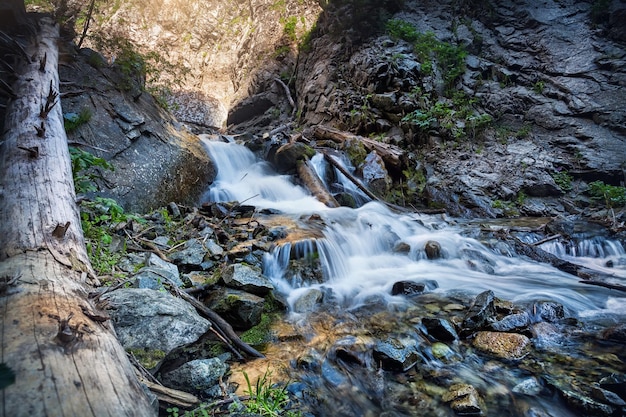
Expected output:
(364, 251)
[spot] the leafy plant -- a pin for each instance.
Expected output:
(98, 219)
(612, 195)
(267, 399)
(538, 87)
(82, 161)
(72, 121)
(563, 180)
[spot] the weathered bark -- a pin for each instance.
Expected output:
(391, 155)
(313, 183)
(65, 363)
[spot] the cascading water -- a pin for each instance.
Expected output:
(363, 252)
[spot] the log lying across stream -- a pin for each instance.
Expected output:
(393, 156)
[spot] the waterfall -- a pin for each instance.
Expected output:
(364, 251)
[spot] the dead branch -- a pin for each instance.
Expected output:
(288, 94)
(219, 322)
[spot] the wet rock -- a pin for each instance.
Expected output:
(584, 404)
(481, 311)
(615, 383)
(412, 287)
(396, 354)
(149, 319)
(513, 322)
(308, 300)
(615, 333)
(191, 257)
(545, 335)
(241, 309)
(200, 376)
(529, 386)
(464, 400)
(441, 351)
(432, 249)
(375, 174)
(502, 345)
(607, 397)
(156, 272)
(402, 247)
(247, 278)
(288, 155)
(440, 329)
(550, 311)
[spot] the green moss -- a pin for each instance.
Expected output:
(261, 334)
(356, 152)
(148, 358)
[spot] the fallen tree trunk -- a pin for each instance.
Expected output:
(315, 185)
(392, 155)
(65, 361)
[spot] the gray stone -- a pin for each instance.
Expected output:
(241, 309)
(529, 386)
(247, 278)
(512, 322)
(396, 354)
(308, 300)
(549, 311)
(149, 319)
(481, 311)
(200, 376)
(156, 272)
(191, 256)
(375, 174)
(440, 329)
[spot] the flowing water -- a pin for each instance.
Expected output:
(361, 253)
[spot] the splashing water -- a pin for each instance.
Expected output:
(362, 252)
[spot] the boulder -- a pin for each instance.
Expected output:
(286, 157)
(413, 287)
(247, 278)
(241, 309)
(156, 272)
(149, 319)
(396, 354)
(440, 329)
(191, 257)
(200, 376)
(375, 174)
(308, 300)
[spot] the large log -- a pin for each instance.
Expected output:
(392, 155)
(67, 362)
(314, 184)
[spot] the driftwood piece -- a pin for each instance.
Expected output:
(218, 322)
(351, 177)
(313, 183)
(587, 276)
(392, 155)
(172, 396)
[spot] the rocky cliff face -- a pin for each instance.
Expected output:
(208, 55)
(504, 108)
(550, 77)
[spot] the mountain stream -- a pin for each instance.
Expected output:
(343, 318)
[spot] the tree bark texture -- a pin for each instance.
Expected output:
(392, 155)
(314, 184)
(66, 361)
